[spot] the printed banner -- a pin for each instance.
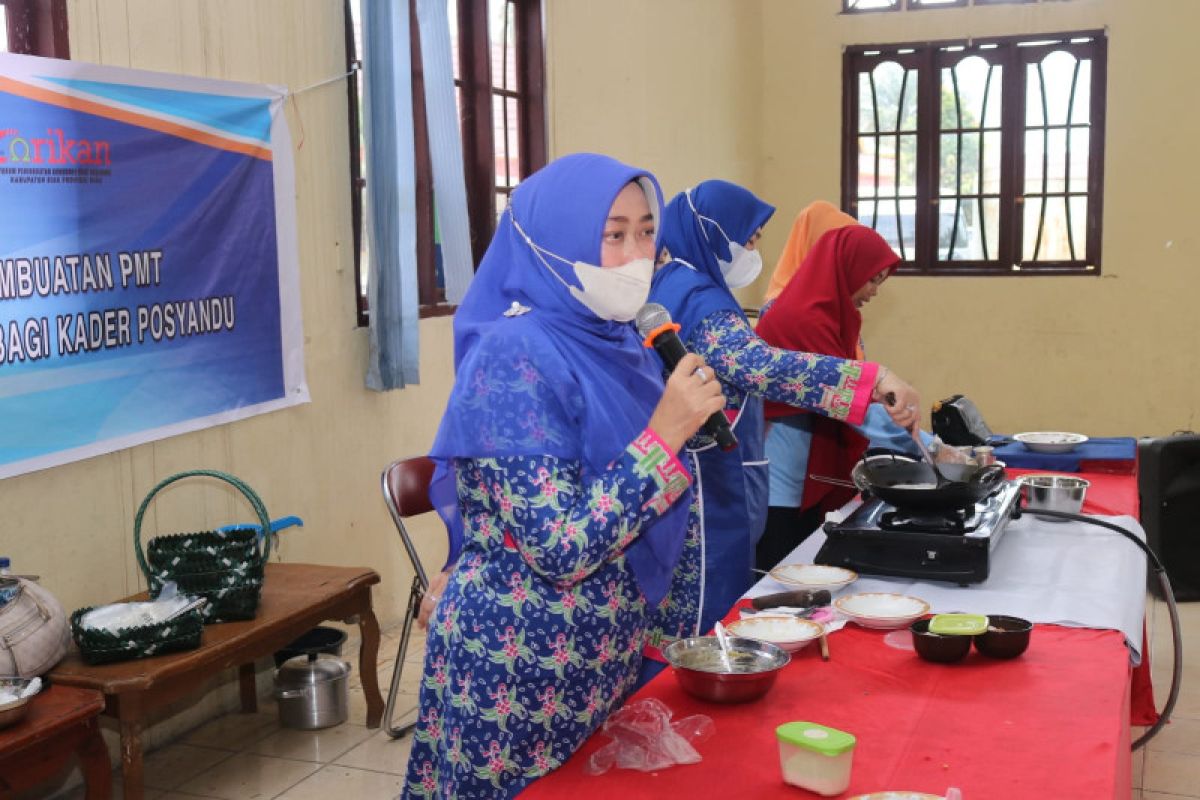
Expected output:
(148, 270)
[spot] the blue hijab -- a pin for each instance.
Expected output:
(537, 372)
(694, 229)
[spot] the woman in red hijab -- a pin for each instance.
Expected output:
(817, 312)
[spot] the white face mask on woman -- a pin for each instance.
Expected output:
(743, 265)
(611, 293)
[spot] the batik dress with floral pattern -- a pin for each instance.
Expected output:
(747, 365)
(540, 631)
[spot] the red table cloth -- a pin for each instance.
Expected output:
(1053, 723)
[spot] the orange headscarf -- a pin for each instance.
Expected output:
(813, 222)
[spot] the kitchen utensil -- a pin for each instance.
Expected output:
(937, 647)
(312, 692)
(942, 480)
(14, 711)
(797, 598)
(697, 665)
(882, 610)
(958, 624)
(814, 576)
(815, 757)
(723, 640)
(791, 632)
(914, 486)
(1006, 637)
(1053, 493)
(1050, 441)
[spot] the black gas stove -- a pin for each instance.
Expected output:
(955, 546)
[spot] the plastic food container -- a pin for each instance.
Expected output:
(958, 624)
(815, 757)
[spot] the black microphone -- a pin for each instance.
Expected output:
(657, 330)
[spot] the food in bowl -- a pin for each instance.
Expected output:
(785, 630)
(1050, 441)
(1006, 637)
(701, 672)
(882, 610)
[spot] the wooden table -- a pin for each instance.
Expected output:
(295, 598)
(60, 721)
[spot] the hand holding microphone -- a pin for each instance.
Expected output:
(693, 394)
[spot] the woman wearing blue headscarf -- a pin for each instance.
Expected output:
(558, 478)
(710, 234)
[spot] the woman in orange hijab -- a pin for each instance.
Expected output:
(818, 312)
(814, 221)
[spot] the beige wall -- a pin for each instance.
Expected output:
(320, 461)
(750, 91)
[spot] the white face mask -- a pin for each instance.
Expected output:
(611, 293)
(743, 265)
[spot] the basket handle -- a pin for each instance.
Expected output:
(237, 483)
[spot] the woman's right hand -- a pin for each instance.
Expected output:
(429, 601)
(902, 401)
(693, 394)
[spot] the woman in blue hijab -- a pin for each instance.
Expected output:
(558, 478)
(710, 234)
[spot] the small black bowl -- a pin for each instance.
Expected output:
(937, 647)
(1006, 637)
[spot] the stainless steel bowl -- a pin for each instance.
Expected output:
(14, 712)
(1054, 493)
(698, 668)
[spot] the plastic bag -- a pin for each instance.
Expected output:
(645, 739)
(117, 616)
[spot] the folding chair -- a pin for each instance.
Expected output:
(406, 492)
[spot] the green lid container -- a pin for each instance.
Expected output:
(958, 624)
(818, 738)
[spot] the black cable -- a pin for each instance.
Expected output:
(1173, 609)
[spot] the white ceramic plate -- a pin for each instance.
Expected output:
(814, 576)
(1050, 441)
(786, 630)
(882, 610)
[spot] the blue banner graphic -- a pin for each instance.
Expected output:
(148, 273)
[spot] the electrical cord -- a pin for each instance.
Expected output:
(1173, 609)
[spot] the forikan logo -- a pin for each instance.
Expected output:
(54, 149)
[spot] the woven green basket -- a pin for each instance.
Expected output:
(225, 567)
(104, 647)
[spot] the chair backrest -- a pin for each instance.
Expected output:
(406, 493)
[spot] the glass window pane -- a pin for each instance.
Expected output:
(1056, 163)
(948, 159)
(1079, 209)
(501, 204)
(452, 14)
(867, 179)
(1080, 154)
(866, 104)
(908, 114)
(977, 82)
(1034, 114)
(871, 5)
(1035, 149)
(991, 163)
(1058, 71)
(906, 166)
(3, 30)
(506, 146)
(502, 36)
(1047, 236)
(959, 234)
(935, 3)
(991, 227)
(1081, 112)
(894, 220)
(889, 81)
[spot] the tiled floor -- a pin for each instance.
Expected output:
(239, 757)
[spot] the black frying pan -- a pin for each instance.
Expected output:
(913, 485)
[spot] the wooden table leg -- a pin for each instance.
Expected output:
(93, 761)
(368, 661)
(248, 688)
(131, 746)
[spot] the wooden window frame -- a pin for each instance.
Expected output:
(929, 58)
(475, 86)
(37, 27)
